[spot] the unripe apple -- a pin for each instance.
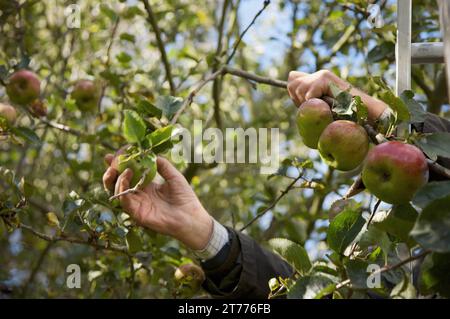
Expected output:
(120, 163)
(23, 87)
(86, 95)
(394, 171)
(189, 273)
(38, 108)
(313, 117)
(8, 112)
(343, 145)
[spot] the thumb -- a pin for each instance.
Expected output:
(167, 170)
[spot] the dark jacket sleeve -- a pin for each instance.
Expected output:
(246, 270)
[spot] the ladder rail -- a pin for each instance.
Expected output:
(444, 16)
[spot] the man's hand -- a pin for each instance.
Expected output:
(304, 86)
(171, 208)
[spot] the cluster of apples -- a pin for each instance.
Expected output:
(392, 171)
(24, 88)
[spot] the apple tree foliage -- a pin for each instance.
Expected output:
(148, 58)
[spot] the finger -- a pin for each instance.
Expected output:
(109, 158)
(296, 74)
(167, 170)
(292, 86)
(109, 178)
(123, 182)
(300, 92)
(314, 92)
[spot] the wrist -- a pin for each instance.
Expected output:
(198, 230)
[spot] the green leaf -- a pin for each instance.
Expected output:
(398, 222)
(147, 108)
(435, 144)
(430, 192)
(124, 58)
(52, 219)
(293, 253)
(431, 230)
(417, 111)
(394, 102)
(404, 290)
(134, 242)
(106, 10)
(161, 135)
(128, 37)
(435, 275)
(362, 112)
(311, 287)
(344, 228)
(149, 161)
(357, 273)
(374, 237)
(70, 206)
(385, 51)
(27, 134)
(169, 104)
(133, 127)
(341, 205)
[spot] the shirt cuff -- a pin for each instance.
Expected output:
(217, 241)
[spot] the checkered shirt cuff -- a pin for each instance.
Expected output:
(218, 239)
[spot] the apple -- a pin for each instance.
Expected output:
(394, 171)
(189, 272)
(313, 117)
(343, 145)
(38, 108)
(86, 95)
(23, 87)
(8, 112)
(121, 163)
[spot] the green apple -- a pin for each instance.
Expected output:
(23, 87)
(86, 95)
(394, 171)
(190, 274)
(121, 162)
(8, 112)
(343, 145)
(313, 117)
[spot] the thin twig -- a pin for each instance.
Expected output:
(188, 101)
(230, 57)
(72, 131)
(108, 60)
(73, 240)
(274, 203)
(134, 189)
(253, 77)
(375, 208)
(36, 268)
(388, 267)
(153, 22)
(217, 84)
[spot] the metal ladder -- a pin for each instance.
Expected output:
(407, 53)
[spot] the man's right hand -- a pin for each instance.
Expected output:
(170, 208)
(304, 86)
